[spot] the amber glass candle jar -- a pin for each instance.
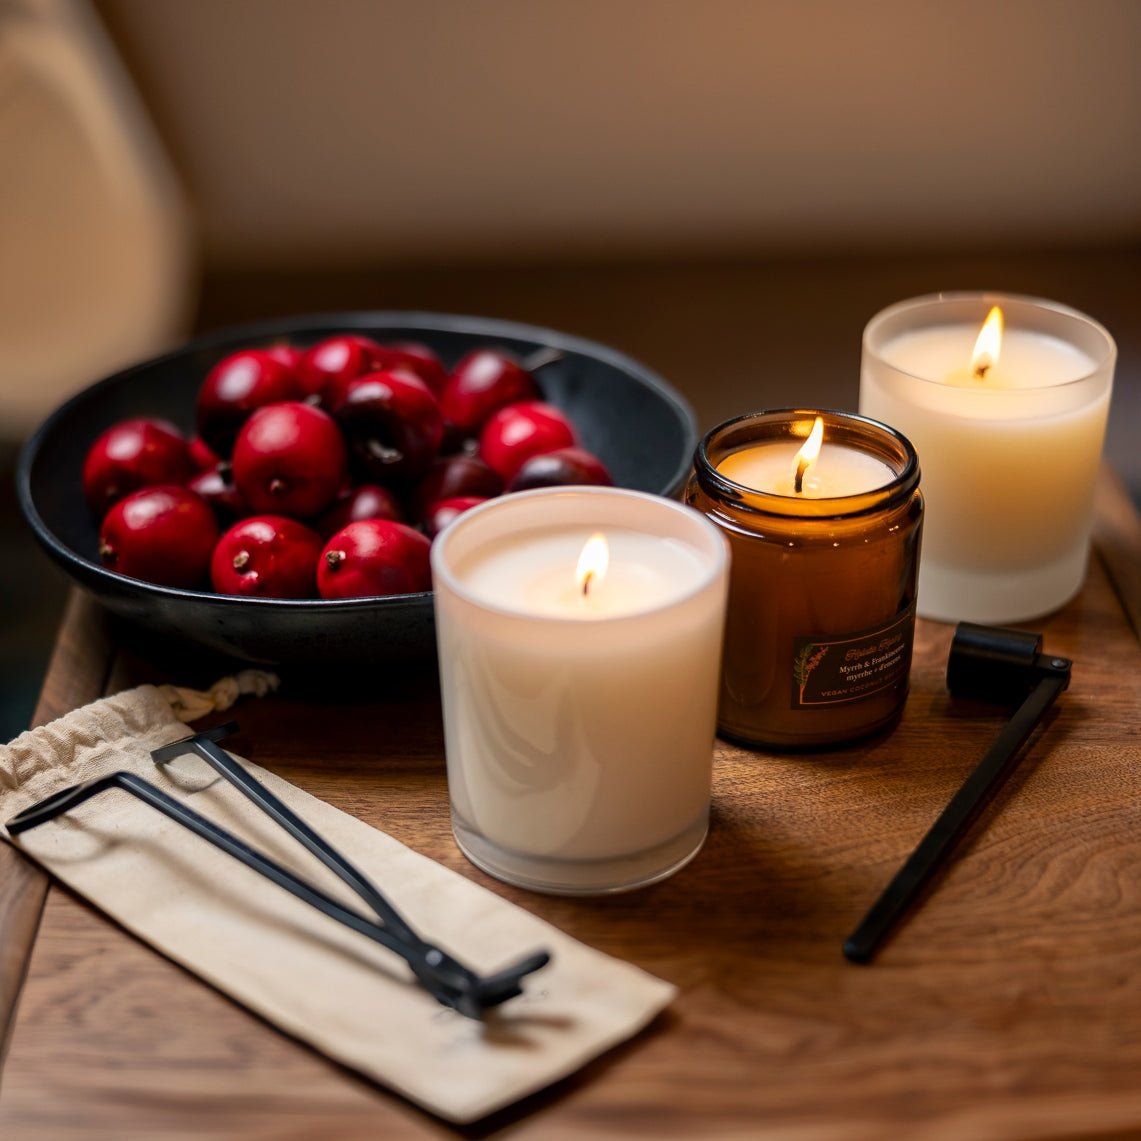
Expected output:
(821, 614)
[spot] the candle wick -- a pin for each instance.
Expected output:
(798, 479)
(981, 371)
(586, 582)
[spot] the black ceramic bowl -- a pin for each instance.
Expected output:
(640, 428)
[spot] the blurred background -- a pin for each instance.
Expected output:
(725, 189)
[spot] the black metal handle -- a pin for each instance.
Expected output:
(204, 745)
(984, 661)
(449, 981)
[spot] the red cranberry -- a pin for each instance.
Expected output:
(417, 359)
(217, 488)
(392, 423)
(329, 363)
(289, 460)
(559, 468)
(133, 454)
(520, 431)
(481, 382)
(163, 534)
(289, 355)
(369, 501)
(267, 556)
(235, 387)
(374, 557)
(446, 510)
(457, 442)
(455, 476)
(202, 456)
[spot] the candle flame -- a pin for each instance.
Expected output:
(592, 563)
(808, 453)
(989, 344)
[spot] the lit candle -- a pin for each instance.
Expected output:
(821, 614)
(566, 572)
(1008, 416)
(782, 467)
(579, 640)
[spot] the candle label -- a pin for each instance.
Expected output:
(832, 671)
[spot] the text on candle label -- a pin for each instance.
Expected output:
(830, 670)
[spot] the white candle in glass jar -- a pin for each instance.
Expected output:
(579, 723)
(1009, 452)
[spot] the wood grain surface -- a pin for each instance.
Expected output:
(76, 676)
(1008, 1005)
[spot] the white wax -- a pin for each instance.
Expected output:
(838, 471)
(1028, 359)
(579, 731)
(535, 573)
(1008, 462)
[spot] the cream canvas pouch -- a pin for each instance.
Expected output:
(355, 1001)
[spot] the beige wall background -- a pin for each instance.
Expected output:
(142, 141)
(323, 130)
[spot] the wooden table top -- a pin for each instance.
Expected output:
(1008, 1005)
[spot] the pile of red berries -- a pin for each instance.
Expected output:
(324, 471)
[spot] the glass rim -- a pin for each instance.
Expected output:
(714, 555)
(900, 487)
(933, 301)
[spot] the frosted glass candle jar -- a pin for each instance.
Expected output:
(1009, 459)
(579, 724)
(821, 617)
